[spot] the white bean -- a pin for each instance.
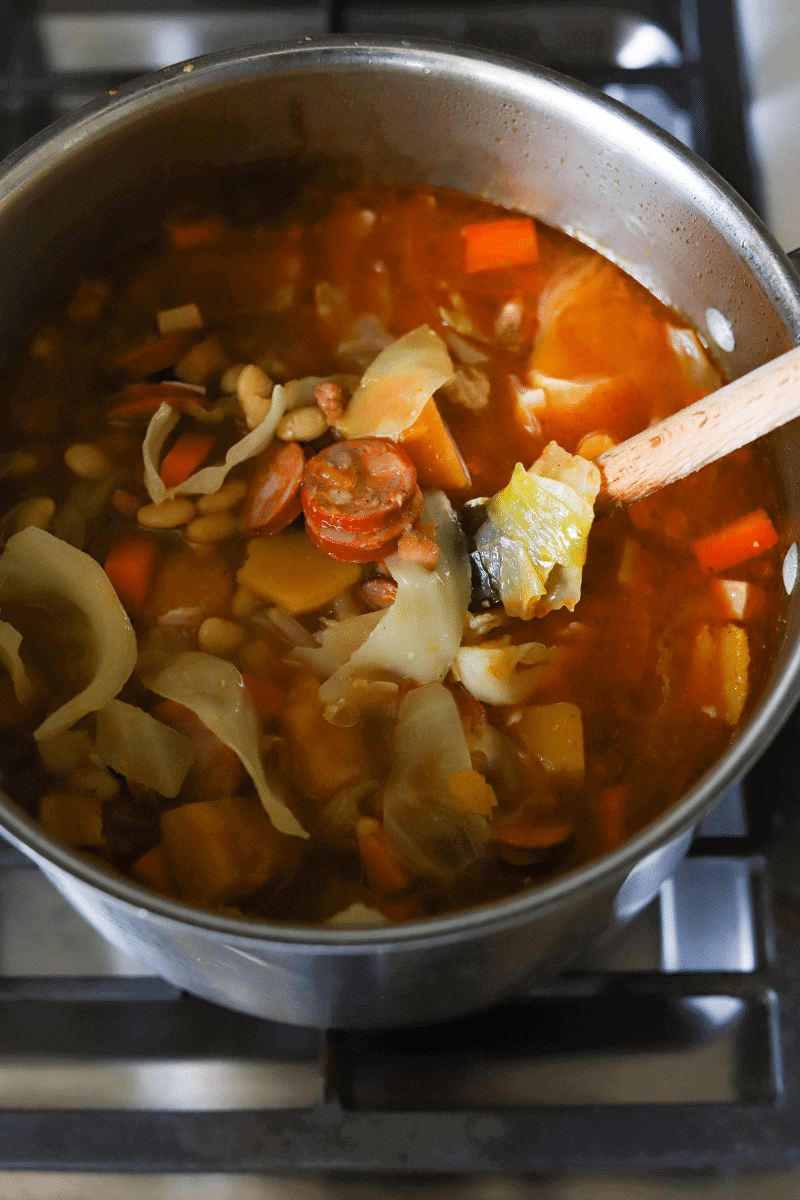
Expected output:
(229, 495)
(254, 389)
(302, 425)
(216, 527)
(166, 515)
(87, 460)
(218, 636)
(38, 511)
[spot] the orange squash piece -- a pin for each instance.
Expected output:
(430, 446)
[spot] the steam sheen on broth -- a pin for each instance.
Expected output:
(295, 620)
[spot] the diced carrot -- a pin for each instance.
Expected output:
(139, 401)
(155, 356)
(749, 536)
(534, 837)
(268, 699)
(189, 235)
(492, 245)
(430, 446)
(131, 566)
(185, 457)
(611, 811)
(737, 599)
(223, 848)
(385, 874)
(153, 870)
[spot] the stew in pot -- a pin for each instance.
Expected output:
(303, 615)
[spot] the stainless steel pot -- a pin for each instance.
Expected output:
(526, 138)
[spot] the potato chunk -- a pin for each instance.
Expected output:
(553, 733)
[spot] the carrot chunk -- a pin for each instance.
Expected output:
(131, 566)
(190, 235)
(268, 699)
(185, 457)
(384, 873)
(491, 245)
(749, 536)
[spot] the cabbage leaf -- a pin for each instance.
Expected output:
(397, 385)
(214, 690)
(41, 571)
(145, 750)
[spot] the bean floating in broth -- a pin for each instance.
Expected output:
(310, 497)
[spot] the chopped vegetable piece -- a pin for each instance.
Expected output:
(189, 587)
(397, 385)
(185, 457)
(471, 792)
(718, 678)
(430, 446)
(327, 757)
(749, 536)
(153, 870)
(288, 570)
(214, 690)
(736, 599)
(493, 245)
(223, 848)
(553, 733)
(272, 500)
(131, 566)
(37, 568)
(173, 320)
(214, 769)
(140, 401)
(143, 749)
(155, 356)
(73, 818)
(533, 837)
(385, 875)
(612, 810)
(268, 699)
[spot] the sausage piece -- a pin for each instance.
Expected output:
(272, 500)
(359, 496)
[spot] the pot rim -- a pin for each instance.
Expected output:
(739, 225)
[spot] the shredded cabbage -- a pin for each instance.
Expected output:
(25, 688)
(41, 571)
(136, 745)
(397, 385)
(208, 479)
(534, 543)
(426, 829)
(697, 367)
(559, 293)
(417, 638)
(214, 690)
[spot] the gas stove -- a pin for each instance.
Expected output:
(674, 1049)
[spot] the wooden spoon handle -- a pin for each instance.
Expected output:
(729, 418)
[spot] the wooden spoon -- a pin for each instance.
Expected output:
(729, 418)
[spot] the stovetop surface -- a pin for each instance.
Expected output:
(674, 1051)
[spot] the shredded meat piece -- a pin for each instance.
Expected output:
(379, 593)
(469, 388)
(418, 546)
(330, 397)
